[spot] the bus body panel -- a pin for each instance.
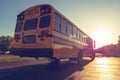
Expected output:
(17, 40)
(33, 52)
(64, 46)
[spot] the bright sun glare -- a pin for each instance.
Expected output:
(102, 37)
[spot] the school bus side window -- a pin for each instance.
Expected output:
(44, 22)
(69, 29)
(19, 27)
(31, 24)
(74, 31)
(63, 26)
(57, 22)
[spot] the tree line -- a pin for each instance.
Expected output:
(110, 50)
(6, 43)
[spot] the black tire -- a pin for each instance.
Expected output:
(54, 63)
(79, 57)
(93, 56)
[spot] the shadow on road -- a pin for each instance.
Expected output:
(42, 72)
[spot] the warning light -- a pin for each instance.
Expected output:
(45, 10)
(20, 17)
(44, 32)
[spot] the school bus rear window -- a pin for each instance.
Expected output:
(19, 27)
(31, 24)
(45, 22)
(30, 39)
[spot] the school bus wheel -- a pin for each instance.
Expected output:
(54, 62)
(79, 57)
(92, 56)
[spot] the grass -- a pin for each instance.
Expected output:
(11, 58)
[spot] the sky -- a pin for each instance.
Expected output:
(100, 19)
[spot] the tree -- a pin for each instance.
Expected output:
(5, 43)
(118, 45)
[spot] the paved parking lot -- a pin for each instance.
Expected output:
(103, 68)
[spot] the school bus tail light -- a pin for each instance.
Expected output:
(20, 17)
(45, 32)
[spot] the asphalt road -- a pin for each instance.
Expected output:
(102, 68)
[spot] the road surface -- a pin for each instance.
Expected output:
(102, 68)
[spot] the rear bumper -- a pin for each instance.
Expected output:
(33, 52)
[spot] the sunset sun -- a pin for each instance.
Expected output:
(102, 37)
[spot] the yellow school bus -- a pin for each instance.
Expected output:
(42, 31)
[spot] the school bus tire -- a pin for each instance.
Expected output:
(54, 62)
(92, 57)
(79, 57)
